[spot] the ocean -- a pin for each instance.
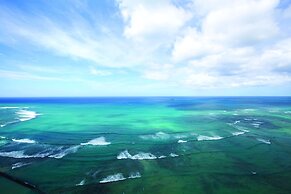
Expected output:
(150, 145)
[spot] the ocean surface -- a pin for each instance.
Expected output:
(152, 145)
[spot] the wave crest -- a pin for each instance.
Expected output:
(25, 140)
(113, 178)
(97, 141)
(140, 156)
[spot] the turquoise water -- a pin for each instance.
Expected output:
(145, 145)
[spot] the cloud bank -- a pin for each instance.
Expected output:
(193, 44)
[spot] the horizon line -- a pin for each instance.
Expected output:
(140, 96)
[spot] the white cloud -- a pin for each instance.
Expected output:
(242, 22)
(200, 80)
(193, 44)
(156, 75)
(287, 12)
(159, 72)
(76, 38)
(235, 24)
(156, 19)
(26, 76)
(99, 72)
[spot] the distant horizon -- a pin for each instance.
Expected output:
(129, 96)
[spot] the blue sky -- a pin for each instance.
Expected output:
(145, 48)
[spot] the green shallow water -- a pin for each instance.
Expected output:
(146, 145)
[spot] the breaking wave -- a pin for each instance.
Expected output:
(81, 183)
(97, 141)
(173, 155)
(120, 177)
(26, 115)
(25, 140)
(22, 115)
(140, 156)
(134, 175)
(113, 178)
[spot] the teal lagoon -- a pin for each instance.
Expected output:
(160, 145)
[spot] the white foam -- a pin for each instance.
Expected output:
(65, 152)
(181, 141)
(134, 175)
(124, 155)
(81, 183)
(25, 140)
(238, 133)
(207, 138)
(97, 141)
(257, 125)
(14, 154)
(52, 153)
(19, 164)
(26, 115)
(143, 156)
(2, 137)
(162, 156)
(249, 109)
(179, 136)
(264, 140)
(140, 156)
(11, 122)
(236, 122)
(242, 129)
(113, 178)
(20, 154)
(157, 136)
(173, 155)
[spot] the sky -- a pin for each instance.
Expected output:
(145, 48)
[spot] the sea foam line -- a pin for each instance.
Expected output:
(264, 141)
(237, 133)
(208, 138)
(25, 140)
(120, 177)
(57, 153)
(65, 152)
(142, 156)
(19, 164)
